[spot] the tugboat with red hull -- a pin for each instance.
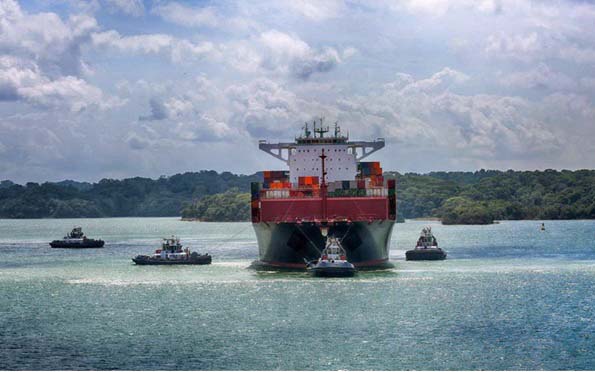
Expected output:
(327, 188)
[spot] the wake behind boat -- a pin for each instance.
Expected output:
(172, 253)
(426, 248)
(77, 239)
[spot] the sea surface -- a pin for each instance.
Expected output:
(509, 296)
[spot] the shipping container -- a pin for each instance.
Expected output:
(307, 180)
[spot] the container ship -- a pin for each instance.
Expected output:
(327, 191)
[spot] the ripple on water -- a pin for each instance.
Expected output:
(507, 298)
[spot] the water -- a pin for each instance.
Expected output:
(508, 297)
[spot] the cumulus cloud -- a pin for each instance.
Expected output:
(264, 107)
(518, 92)
(54, 44)
(41, 61)
(178, 50)
(289, 54)
(24, 80)
(426, 111)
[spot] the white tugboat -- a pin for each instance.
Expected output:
(426, 248)
(172, 253)
(332, 262)
(77, 239)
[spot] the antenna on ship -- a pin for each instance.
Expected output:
(321, 131)
(307, 132)
(337, 129)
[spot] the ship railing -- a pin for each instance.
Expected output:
(304, 193)
(316, 219)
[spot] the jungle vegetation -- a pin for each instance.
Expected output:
(455, 197)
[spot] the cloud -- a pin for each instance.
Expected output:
(426, 111)
(540, 46)
(144, 44)
(263, 108)
(522, 47)
(55, 45)
(134, 8)
(158, 111)
(439, 8)
(317, 10)
(178, 50)
(187, 16)
(209, 79)
(204, 129)
(23, 80)
(41, 60)
(588, 83)
(291, 55)
(542, 77)
(136, 142)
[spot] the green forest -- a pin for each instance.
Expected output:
(455, 197)
(131, 197)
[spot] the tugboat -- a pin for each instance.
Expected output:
(426, 248)
(77, 239)
(332, 262)
(172, 253)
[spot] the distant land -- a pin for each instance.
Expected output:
(455, 197)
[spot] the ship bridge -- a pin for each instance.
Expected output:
(303, 155)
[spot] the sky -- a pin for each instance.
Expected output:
(121, 88)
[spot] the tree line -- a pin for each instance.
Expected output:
(455, 197)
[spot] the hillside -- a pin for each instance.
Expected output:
(138, 196)
(456, 197)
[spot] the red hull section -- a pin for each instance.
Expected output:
(338, 209)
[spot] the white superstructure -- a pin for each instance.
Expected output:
(304, 160)
(303, 155)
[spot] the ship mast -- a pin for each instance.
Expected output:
(321, 131)
(323, 186)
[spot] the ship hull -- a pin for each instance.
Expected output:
(335, 272)
(289, 245)
(425, 254)
(89, 243)
(142, 261)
